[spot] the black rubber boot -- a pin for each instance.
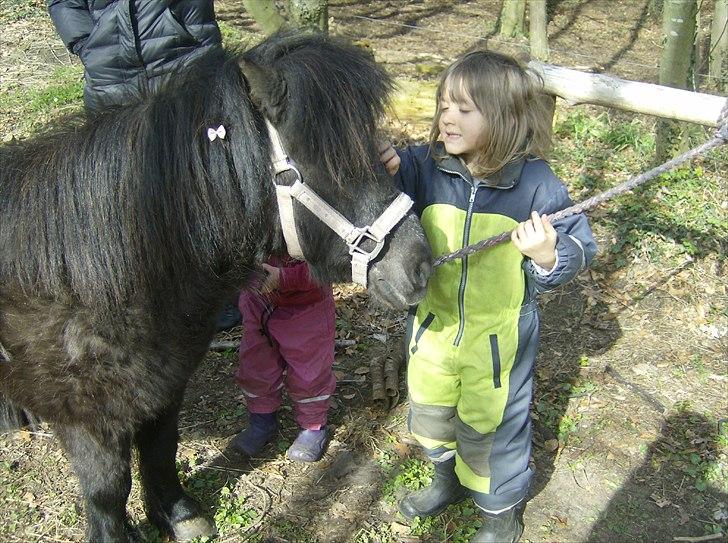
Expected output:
(445, 489)
(505, 527)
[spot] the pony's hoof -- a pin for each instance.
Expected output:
(188, 529)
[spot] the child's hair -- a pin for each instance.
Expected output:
(510, 98)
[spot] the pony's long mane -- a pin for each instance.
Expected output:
(137, 199)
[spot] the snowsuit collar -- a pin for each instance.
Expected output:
(505, 178)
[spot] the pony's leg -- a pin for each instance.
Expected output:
(102, 466)
(166, 503)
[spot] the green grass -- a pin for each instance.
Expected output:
(412, 474)
(16, 10)
(668, 219)
(551, 410)
(234, 38)
(292, 531)
(233, 513)
(35, 107)
(697, 450)
(232, 417)
(375, 534)
(582, 128)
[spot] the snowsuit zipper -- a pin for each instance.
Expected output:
(464, 272)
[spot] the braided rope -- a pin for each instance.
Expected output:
(720, 138)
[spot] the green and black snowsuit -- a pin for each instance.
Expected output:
(473, 340)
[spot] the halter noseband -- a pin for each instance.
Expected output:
(354, 236)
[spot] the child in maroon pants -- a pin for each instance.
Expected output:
(288, 341)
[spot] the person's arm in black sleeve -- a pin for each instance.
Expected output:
(73, 22)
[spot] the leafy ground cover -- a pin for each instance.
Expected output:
(630, 441)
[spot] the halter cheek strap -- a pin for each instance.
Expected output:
(354, 236)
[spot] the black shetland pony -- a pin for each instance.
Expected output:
(121, 236)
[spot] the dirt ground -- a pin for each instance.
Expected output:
(631, 379)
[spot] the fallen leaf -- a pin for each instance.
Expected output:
(399, 529)
(361, 370)
(382, 338)
(29, 497)
(660, 501)
(402, 449)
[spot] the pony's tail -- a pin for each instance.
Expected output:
(13, 417)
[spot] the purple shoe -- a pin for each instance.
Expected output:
(262, 428)
(309, 446)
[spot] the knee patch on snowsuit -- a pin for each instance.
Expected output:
(433, 425)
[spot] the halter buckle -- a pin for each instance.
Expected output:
(362, 234)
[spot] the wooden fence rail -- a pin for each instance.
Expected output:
(587, 88)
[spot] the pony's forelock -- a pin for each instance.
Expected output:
(335, 91)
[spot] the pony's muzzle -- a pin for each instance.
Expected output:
(421, 276)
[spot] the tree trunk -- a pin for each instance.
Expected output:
(679, 32)
(309, 15)
(538, 30)
(512, 16)
(265, 14)
(655, 9)
(718, 68)
(678, 26)
(701, 50)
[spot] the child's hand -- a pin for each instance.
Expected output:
(536, 239)
(389, 157)
(272, 279)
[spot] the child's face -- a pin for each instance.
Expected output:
(461, 124)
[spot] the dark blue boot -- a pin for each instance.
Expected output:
(309, 445)
(229, 317)
(261, 430)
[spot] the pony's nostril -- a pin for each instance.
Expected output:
(424, 272)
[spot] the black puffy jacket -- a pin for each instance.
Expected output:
(128, 47)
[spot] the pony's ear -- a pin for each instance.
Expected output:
(267, 89)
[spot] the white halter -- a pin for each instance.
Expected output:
(352, 235)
